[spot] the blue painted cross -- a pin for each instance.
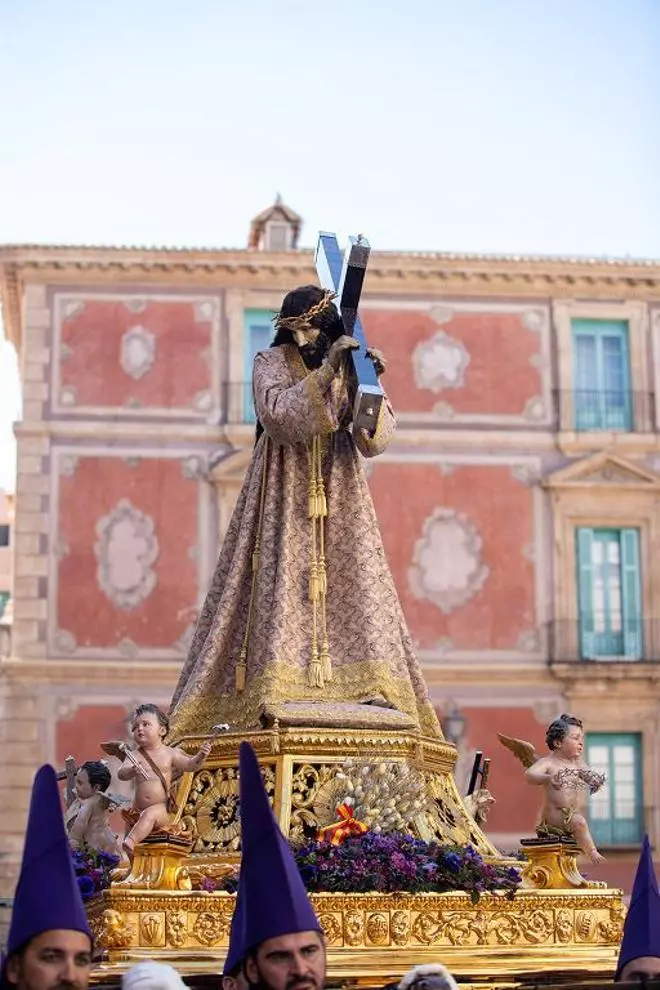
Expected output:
(344, 276)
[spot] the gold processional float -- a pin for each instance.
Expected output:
(166, 907)
(557, 922)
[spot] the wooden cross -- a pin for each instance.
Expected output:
(69, 774)
(344, 276)
(480, 768)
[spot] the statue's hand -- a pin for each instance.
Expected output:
(379, 360)
(204, 750)
(336, 352)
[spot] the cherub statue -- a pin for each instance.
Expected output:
(87, 813)
(566, 779)
(152, 765)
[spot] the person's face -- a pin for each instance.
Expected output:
(83, 787)
(572, 744)
(637, 970)
(289, 962)
(305, 337)
(55, 960)
(147, 730)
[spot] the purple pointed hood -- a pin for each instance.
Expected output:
(641, 929)
(272, 899)
(47, 895)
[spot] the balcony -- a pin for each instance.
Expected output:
(611, 411)
(586, 641)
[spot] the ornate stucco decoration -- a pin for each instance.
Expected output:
(440, 362)
(138, 352)
(447, 568)
(126, 549)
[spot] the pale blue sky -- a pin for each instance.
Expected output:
(470, 125)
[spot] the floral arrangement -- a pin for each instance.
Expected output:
(92, 868)
(396, 863)
(386, 797)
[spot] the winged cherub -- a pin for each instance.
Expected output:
(566, 779)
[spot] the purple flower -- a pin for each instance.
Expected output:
(86, 886)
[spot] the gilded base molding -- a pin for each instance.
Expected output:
(373, 936)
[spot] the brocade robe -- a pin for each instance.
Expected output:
(369, 645)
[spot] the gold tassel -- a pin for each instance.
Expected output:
(322, 576)
(326, 663)
(241, 668)
(311, 497)
(314, 672)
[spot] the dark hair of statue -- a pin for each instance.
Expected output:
(149, 709)
(558, 730)
(98, 774)
(295, 303)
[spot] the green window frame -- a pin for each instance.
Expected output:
(602, 399)
(258, 333)
(609, 594)
(616, 811)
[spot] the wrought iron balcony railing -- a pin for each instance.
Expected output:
(616, 410)
(590, 639)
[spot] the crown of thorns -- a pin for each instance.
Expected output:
(304, 319)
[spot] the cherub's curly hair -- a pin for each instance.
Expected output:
(558, 729)
(98, 774)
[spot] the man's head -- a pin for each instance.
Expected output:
(639, 970)
(309, 319)
(54, 960)
(565, 733)
(288, 962)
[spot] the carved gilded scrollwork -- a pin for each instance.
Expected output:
(211, 809)
(111, 930)
(378, 929)
(209, 928)
(354, 928)
(176, 927)
(400, 927)
(332, 928)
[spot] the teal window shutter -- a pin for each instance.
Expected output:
(258, 334)
(601, 375)
(616, 811)
(631, 591)
(585, 538)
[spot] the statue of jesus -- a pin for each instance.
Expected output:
(302, 607)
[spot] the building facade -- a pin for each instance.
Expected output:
(519, 503)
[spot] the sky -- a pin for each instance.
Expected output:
(514, 126)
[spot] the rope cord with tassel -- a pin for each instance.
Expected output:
(320, 668)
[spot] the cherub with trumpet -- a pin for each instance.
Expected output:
(152, 765)
(566, 779)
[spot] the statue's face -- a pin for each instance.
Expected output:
(83, 787)
(307, 336)
(572, 744)
(147, 730)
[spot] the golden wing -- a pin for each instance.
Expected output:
(523, 751)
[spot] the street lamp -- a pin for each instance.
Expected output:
(453, 723)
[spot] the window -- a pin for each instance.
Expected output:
(4, 598)
(4, 535)
(609, 594)
(601, 375)
(278, 236)
(258, 335)
(616, 812)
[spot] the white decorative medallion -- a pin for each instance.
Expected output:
(440, 363)
(126, 549)
(138, 352)
(447, 567)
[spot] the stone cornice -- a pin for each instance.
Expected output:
(390, 273)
